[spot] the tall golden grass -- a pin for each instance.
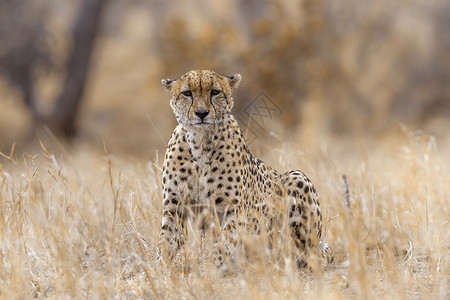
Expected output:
(85, 224)
(81, 219)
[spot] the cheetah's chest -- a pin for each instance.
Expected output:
(218, 171)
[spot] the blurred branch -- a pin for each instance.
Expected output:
(346, 193)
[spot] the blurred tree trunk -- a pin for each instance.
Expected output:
(85, 30)
(22, 50)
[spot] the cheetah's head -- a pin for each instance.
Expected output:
(201, 97)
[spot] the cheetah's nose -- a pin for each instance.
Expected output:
(201, 113)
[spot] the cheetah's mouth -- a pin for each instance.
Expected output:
(201, 123)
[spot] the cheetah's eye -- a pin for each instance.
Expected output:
(215, 92)
(187, 93)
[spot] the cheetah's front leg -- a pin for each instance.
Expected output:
(172, 233)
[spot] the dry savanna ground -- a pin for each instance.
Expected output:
(84, 224)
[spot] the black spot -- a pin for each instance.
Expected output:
(219, 185)
(174, 201)
(214, 169)
(306, 189)
(210, 180)
(230, 179)
(300, 184)
(179, 157)
(301, 264)
(219, 200)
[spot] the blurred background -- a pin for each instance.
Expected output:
(88, 71)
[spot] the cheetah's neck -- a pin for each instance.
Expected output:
(202, 141)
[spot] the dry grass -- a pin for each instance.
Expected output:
(80, 222)
(84, 224)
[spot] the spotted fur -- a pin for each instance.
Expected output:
(208, 167)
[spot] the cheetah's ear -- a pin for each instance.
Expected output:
(234, 80)
(167, 84)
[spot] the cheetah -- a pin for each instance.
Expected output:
(208, 166)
